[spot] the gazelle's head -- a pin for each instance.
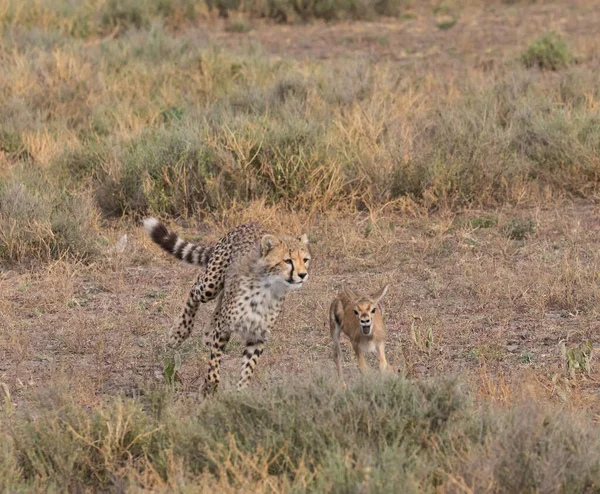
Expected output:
(365, 307)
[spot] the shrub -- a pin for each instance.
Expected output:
(549, 52)
(519, 229)
(39, 223)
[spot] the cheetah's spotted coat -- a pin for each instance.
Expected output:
(248, 272)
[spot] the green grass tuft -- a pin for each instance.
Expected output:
(519, 229)
(550, 52)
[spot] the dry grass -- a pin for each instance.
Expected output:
(157, 122)
(379, 435)
(429, 158)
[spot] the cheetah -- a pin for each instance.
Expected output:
(248, 272)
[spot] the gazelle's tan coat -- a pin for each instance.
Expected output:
(360, 318)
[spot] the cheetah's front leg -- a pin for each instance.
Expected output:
(219, 341)
(252, 353)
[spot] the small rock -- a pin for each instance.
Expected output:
(121, 244)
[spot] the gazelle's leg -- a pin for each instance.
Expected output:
(383, 364)
(360, 357)
(337, 350)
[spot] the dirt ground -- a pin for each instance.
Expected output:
(496, 309)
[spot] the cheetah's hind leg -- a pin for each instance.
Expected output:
(208, 286)
(182, 330)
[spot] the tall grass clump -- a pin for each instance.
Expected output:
(161, 171)
(382, 435)
(38, 222)
(509, 134)
(533, 450)
(185, 170)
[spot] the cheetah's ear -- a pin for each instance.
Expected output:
(380, 294)
(267, 243)
(304, 238)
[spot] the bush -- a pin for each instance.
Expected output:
(550, 52)
(184, 171)
(380, 435)
(158, 171)
(519, 229)
(38, 223)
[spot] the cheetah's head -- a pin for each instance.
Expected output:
(286, 258)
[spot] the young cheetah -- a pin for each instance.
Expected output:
(358, 316)
(249, 273)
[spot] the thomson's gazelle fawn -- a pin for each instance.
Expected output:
(359, 317)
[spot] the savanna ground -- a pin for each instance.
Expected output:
(449, 149)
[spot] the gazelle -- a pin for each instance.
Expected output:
(360, 318)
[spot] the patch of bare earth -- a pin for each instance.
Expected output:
(464, 298)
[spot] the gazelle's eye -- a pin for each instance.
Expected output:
(356, 312)
(289, 261)
(373, 310)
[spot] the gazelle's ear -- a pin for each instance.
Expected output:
(267, 243)
(380, 294)
(304, 238)
(349, 293)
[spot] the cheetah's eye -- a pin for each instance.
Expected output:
(373, 310)
(306, 259)
(289, 261)
(356, 312)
